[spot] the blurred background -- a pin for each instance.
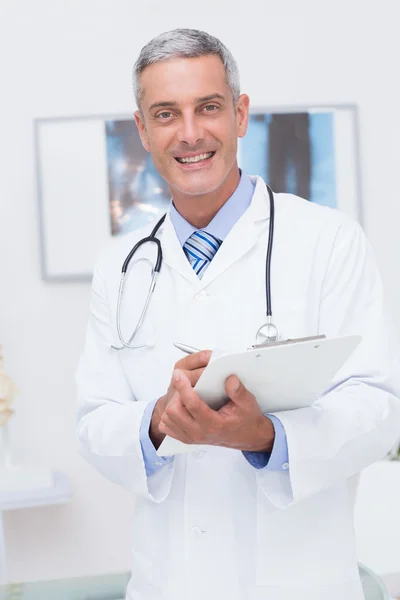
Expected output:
(68, 58)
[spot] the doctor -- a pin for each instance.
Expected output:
(264, 511)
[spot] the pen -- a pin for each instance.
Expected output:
(186, 348)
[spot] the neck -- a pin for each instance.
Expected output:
(199, 210)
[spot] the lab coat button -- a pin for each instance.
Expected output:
(196, 532)
(201, 295)
(285, 466)
(198, 454)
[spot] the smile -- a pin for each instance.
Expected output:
(195, 159)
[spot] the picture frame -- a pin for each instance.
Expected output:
(95, 181)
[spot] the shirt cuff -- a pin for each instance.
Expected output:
(152, 462)
(278, 459)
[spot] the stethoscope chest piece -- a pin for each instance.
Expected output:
(267, 334)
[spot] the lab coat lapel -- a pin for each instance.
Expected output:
(243, 235)
(173, 253)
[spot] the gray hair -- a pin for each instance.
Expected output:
(185, 43)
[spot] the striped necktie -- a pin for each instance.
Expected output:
(200, 249)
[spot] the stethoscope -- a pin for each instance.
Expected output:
(266, 334)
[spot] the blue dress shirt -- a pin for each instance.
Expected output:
(220, 226)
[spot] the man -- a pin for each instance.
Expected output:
(264, 512)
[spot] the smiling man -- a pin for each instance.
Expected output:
(263, 511)
(193, 140)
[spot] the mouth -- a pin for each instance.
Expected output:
(199, 158)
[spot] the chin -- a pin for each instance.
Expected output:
(198, 187)
(196, 190)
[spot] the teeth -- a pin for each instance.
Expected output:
(194, 159)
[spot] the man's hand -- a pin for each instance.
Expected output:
(192, 366)
(239, 424)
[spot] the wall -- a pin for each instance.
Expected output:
(60, 58)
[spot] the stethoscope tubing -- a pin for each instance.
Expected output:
(157, 267)
(269, 252)
(149, 238)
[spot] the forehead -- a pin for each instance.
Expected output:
(182, 80)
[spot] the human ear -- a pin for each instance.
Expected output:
(142, 130)
(242, 114)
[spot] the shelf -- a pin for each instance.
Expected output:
(59, 493)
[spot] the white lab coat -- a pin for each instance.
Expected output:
(209, 525)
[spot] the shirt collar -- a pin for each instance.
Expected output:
(226, 217)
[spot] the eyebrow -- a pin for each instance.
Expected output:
(168, 104)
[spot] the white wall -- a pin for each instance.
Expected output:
(60, 58)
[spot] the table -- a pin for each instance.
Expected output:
(59, 493)
(100, 587)
(112, 587)
(373, 586)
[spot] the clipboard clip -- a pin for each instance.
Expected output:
(286, 342)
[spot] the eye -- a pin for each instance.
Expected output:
(164, 115)
(210, 108)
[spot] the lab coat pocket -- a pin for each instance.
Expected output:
(309, 543)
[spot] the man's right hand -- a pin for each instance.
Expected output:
(193, 366)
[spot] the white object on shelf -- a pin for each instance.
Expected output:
(21, 479)
(59, 493)
(17, 478)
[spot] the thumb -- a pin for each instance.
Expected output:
(236, 391)
(180, 380)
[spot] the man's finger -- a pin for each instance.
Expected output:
(194, 376)
(177, 418)
(237, 392)
(202, 414)
(173, 432)
(198, 360)
(176, 412)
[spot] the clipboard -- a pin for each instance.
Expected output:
(282, 376)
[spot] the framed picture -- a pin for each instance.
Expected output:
(96, 181)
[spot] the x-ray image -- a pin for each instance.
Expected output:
(294, 152)
(138, 194)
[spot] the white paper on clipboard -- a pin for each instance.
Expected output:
(281, 377)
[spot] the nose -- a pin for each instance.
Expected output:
(190, 130)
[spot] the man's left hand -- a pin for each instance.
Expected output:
(239, 424)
